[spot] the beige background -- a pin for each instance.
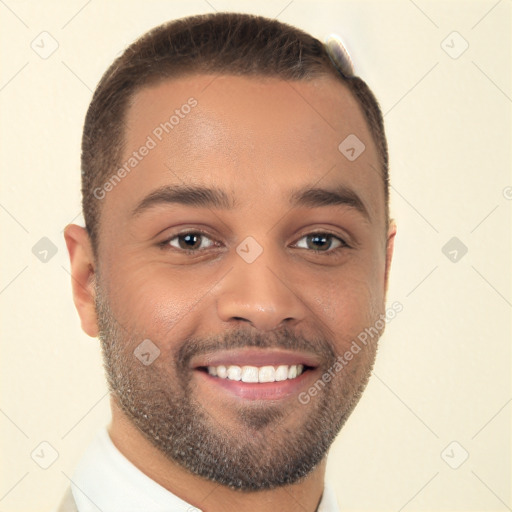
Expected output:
(443, 369)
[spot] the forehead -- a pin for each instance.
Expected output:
(253, 137)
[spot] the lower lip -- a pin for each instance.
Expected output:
(259, 391)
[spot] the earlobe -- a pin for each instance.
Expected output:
(82, 276)
(389, 251)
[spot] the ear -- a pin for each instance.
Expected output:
(389, 251)
(81, 257)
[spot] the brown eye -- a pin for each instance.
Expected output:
(190, 241)
(321, 242)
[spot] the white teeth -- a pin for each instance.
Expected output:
(267, 374)
(234, 373)
(257, 374)
(281, 372)
(249, 374)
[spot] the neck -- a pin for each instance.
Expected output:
(201, 493)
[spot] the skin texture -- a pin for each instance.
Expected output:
(258, 139)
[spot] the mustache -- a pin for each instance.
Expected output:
(243, 338)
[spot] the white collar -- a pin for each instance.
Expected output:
(106, 480)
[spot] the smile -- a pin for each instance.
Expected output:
(255, 374)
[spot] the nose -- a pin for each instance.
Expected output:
(259, 293)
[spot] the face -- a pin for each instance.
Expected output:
(249, 253)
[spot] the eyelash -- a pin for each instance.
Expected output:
(330, 252)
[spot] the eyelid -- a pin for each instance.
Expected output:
(189, 231)
(343, 243)
(344, 238)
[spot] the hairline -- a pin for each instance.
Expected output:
(217, 45)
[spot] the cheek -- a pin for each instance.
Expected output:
(350, 308)
(349, 301)
(157, 302)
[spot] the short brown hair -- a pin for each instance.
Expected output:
(221, 43)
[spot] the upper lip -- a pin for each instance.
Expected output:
(254, 357)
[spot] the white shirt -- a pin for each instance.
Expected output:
(105, 480)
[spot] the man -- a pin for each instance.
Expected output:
(237, 242)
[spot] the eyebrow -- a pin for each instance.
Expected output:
(188, 195)
(210, 197)
(337, 196)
